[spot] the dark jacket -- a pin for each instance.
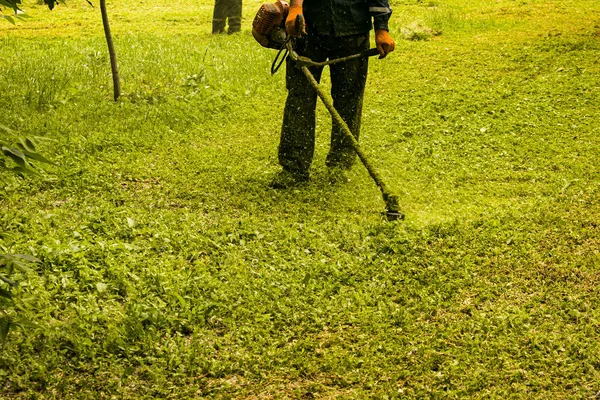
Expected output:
(346, 17)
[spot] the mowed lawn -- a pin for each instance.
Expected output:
(169, 269)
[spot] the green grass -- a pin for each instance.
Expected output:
(169, 269)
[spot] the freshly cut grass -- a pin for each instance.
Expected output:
(169, 269)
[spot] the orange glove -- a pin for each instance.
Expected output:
(290, 21)
(385, 43)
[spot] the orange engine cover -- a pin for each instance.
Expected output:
(268, 27)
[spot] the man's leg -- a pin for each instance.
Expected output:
(297, 144)
(219, 16)
(348, 81)
(235, 16)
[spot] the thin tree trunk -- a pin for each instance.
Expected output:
(111, 50)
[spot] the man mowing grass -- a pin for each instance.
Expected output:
(334, 29)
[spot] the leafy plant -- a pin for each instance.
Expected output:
(9, 309)
(11, 4)
(23, 154)
(14, 5)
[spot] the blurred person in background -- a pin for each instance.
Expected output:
(227, 12)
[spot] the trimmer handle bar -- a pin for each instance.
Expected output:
(305, 61)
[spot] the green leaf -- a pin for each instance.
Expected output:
(11, 3)
(25, 323)
(37, 157)
(26, 257)
(28, 149)
(26, 144)
(5, 324)
(21, 266)
(24, 171)
(16, 155)
(181, 300)
(19, 260)
(8, 281)
(4, 127)
(5, 293)
(9, 19)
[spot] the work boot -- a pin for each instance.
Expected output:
(218, 26)
(288, 179)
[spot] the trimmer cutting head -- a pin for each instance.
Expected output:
(392, 209)
(394, 215)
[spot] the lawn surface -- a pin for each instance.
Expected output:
(169, 269)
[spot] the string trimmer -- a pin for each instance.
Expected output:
(268, 29)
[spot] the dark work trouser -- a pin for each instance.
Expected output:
(227, 11)
(348, 79)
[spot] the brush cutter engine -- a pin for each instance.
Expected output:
(268, 27)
